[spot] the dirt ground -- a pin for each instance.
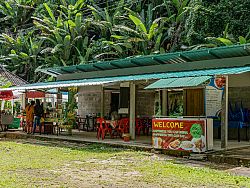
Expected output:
(98, 166)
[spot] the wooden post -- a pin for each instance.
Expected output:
(12, 106)
(164, 102)
(23, 100)
(132, 111)
(224, 117)
(45, 101)
(2, 105)
(102, 102)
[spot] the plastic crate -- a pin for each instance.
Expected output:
(15, 124)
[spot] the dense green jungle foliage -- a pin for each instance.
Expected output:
(37, 34)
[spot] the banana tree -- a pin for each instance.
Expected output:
(105, 19)
(16, 14)
(177, 11)
(225, 39)
(143, 33)
(22, 54)
(66, 35)
(229, 39)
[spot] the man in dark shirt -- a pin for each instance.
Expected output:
(38, 111)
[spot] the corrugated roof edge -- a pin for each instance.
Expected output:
(117, 79)
(176, 57)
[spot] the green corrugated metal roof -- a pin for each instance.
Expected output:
(178, 82)
(167, 58)
(106, 80)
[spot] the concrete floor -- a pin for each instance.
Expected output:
(143, 141)
(90, 137)
(232, 144)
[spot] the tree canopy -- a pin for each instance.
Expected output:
(39, 34)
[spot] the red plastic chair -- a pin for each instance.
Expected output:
(123, 126)
(120, 128)
(148, 125)
(139, 126)
(103, 128)
(126, 125)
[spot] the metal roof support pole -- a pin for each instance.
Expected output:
(23, 100)
(102, 101)
(12, 106)
(2, 105)
(132, 111)
(164, 101)
(224, 117)
(59, 103)
(45, 104)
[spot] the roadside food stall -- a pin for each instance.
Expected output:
(53, 103)
(189, 107)
(10, 110)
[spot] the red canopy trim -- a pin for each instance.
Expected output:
(6, 95)
(35, 94)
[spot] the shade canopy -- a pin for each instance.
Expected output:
(116, 79)
(6, 95)
(178, 82)
(35, 94)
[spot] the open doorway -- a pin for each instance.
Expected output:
(114, 106)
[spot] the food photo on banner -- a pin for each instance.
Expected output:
(182, 135)
(218, 82)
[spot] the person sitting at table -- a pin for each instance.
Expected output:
(114, 119)
(114, 115)
(113, 112)
(38, 111)
(29, 117)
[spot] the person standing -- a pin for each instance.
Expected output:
(29, 116)
(38, 111)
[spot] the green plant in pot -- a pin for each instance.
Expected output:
(69, 122)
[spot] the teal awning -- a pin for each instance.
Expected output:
(115, 79)
(178, 82)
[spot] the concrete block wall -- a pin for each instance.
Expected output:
(238, 94)
(89, 100)
(89, 103)
(145, 103)
(107, 102)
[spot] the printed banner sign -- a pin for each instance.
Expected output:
(183, 135)
(214, 93)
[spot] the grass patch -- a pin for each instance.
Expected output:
(36, 163)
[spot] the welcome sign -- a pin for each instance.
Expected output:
(182, 135)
